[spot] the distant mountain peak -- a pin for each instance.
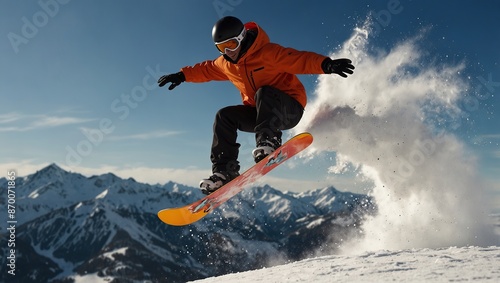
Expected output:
(53, 167)
(52, 171)
(105, 180)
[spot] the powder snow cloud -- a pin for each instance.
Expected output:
(386, 121)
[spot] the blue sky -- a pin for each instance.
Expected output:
(79, 77)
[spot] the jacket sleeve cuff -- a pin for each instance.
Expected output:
(325, 64)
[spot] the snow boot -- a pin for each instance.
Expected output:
(265, 147)
(216, 181)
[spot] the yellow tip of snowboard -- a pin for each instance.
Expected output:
(180, 216)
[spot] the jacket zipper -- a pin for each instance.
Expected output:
(250, 77)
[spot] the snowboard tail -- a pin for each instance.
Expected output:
(193, 212)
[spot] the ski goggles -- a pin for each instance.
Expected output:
(231, 44)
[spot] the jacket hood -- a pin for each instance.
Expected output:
(261, 39)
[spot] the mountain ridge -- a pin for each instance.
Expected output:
(107, 225)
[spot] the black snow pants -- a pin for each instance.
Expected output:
(274, 111)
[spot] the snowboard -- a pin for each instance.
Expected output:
(193, 212)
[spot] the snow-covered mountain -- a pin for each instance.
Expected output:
(69, 225)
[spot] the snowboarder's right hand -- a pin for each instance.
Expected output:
(176, 79)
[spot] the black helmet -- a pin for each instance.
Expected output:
(226, 28)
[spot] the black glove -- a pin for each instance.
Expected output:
(338, 66)
(176, 79)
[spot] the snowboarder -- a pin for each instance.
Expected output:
(273, 97)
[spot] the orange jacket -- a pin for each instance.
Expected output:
(264, 63)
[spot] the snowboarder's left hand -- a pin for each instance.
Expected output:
(176, 79)
(338, 66)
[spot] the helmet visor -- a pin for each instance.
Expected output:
(231, 44)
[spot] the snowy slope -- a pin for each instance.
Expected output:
(472, 264)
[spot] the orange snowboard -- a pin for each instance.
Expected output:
(193, 212)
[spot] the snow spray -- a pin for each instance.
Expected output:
(391, 121)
